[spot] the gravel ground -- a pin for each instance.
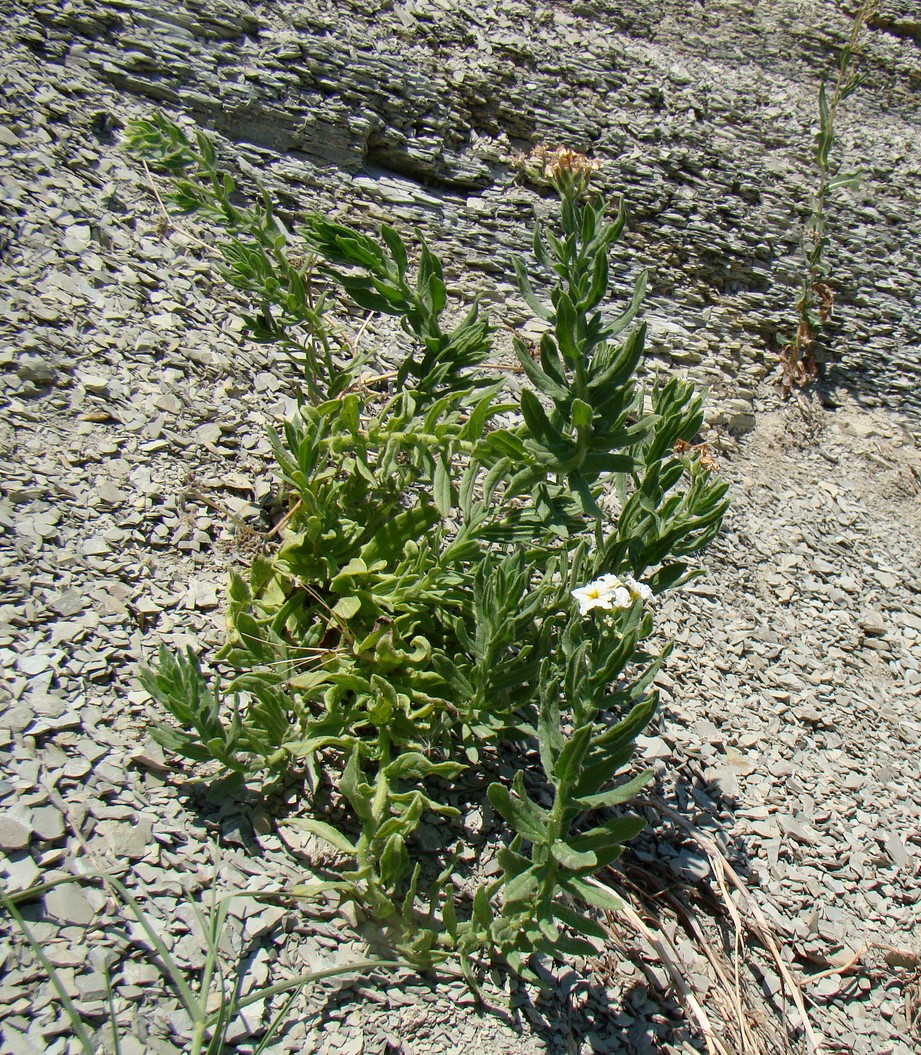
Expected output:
(134, 464)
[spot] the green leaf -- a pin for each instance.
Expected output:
(323, 831)
(581, 924)
(347, 608)
(597, 462)
(370, 301)
(394, 861)
(358, 249)
(414, 764)
(522, 886)
(572, 754)
(449, 914)
(572, 947)
(617, 795)
(411, 525)
(593, 892)
(853, 84)
(482, 910)
(565, 327)
(442, 492)
(524, 285)
(179, 743)
(636, 301)
(409, 900)
(397, 248)
(252, 637)
(608, 837)
(536, 418)
(513, 864)
(438, 294)
(599, 284)
(541, 380)
(590, 220)
(850, 180)
(404, 823)
(581, 414)
(552, 361)
(550, 738)
(571, 858)
(540, 250)
(306, 748)
(525, 817)
(356, 790)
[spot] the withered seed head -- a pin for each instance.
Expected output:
(563, 168)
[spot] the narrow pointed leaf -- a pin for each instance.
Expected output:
(524, 817)
(594, 893)
(527, 292)
(538, 377)
(572, 754)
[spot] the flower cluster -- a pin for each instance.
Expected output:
(707, 461)
(609, 592)
(566, 170)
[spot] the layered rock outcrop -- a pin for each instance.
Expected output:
(704, 114)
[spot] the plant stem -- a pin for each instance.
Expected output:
(799, 360)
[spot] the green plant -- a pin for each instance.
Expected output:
(426, 614)
(814, 307)
(209, 1027)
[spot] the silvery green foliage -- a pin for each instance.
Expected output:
(424, 612)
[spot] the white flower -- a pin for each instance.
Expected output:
(595, 595)
(608, 592)
(610, 582)
(638, 589)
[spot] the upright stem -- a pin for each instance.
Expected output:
(842, 81)
(799, 360)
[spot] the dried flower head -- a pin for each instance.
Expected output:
(826, 301)
(706, 459)
(566, 170)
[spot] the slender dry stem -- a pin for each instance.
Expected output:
(758, 924)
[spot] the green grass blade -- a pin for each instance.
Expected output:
(69, 1007)
(273, 1026)
(110, 999)
(184, 990)
(312, 976)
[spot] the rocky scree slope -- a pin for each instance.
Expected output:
(705, 115)
(132, 430)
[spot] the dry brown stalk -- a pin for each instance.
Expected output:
(894, 957)
(731, 989)
(737, 1010)
(757, 924)
(169, 221)
(670, 959)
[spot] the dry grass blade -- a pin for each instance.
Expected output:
(746, 1028)
(732, 987)
(758, 924)
(913, 1007)
(671, 961)
(168, 219)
